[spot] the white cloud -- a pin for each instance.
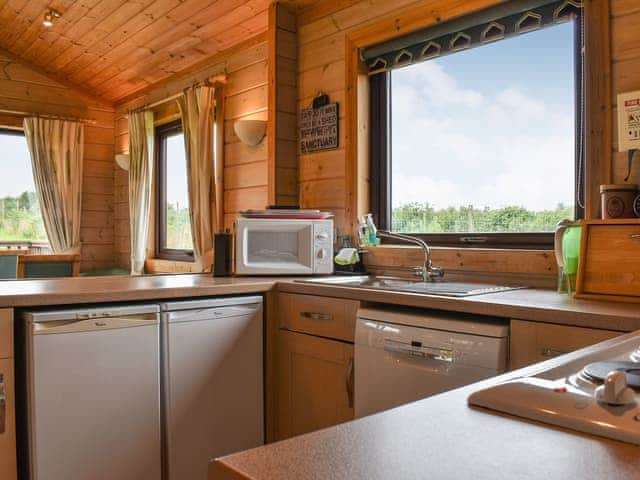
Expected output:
(441, 88)
(454, 146)
(520, 104)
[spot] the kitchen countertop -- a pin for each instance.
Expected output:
(440, 438)
(528, 304)
(76, 290)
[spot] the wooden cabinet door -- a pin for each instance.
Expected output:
(532, 342)
(315, 383)
(7, 421)
(6, 332)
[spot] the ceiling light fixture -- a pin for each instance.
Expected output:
(49, 16)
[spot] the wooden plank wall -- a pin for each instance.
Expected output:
(245, 168)
(23, 89)
(321, 68)
(283, 81)
(625, 55)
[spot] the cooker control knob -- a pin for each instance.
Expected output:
(322, 253)
(615, 390)
(322, 236)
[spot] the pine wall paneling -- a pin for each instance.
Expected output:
(625, 47)
(24, 89)
(119, 47)
(283, 61)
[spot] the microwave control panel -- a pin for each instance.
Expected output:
(323, 246)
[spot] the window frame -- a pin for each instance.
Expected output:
(380, 193)
(10, 131)
(162, 132)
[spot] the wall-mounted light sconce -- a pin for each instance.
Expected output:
(122, 159)
(250, 132)
(49, 16)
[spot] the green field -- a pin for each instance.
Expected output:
(423, 218)
(20, 219)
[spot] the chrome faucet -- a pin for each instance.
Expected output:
(428, 272)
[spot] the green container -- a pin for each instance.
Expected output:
(567, 250)
(571, 249)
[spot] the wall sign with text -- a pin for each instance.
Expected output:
(319, 128)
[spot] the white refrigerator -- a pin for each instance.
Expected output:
(93, 393)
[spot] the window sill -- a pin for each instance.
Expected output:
(496, 250)
(159, 265)
(534, 268)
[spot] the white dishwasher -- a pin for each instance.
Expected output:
(213, 393)
(406, 355)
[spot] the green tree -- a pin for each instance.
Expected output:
(417, 217)
(20, 218)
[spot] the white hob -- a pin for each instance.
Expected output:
(569, 396)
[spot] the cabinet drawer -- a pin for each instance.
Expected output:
(611, 260)
(6, 332)
(322, 316)
(7, 423)
(532, 342)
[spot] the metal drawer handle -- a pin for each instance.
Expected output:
(349, 382)
(635, 236)
(316, 316)
(550, 352)
(3, 405)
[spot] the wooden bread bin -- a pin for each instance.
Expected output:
(609, 266)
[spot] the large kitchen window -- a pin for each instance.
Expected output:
(20, 218)
(173, 227)
(481, 146)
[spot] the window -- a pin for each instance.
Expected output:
(481, 147)
(173, 227)
(20, 218)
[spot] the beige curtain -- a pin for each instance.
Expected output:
(141, 146)
(196, 108)
(56, 149)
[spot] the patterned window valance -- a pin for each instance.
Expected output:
(495, 23)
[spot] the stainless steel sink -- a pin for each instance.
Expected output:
(440, 287)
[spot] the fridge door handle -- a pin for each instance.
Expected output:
(94, 324)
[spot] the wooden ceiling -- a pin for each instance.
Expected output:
(118, 47)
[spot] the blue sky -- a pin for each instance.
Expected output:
(491, 126)
(177, 172)
(16, 166)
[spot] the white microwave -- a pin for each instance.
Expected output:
(283, 246)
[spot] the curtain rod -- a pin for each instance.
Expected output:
(20, 113)
(211, 82)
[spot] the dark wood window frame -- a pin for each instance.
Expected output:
(8, 131)
(162, 132)
(381, 168)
